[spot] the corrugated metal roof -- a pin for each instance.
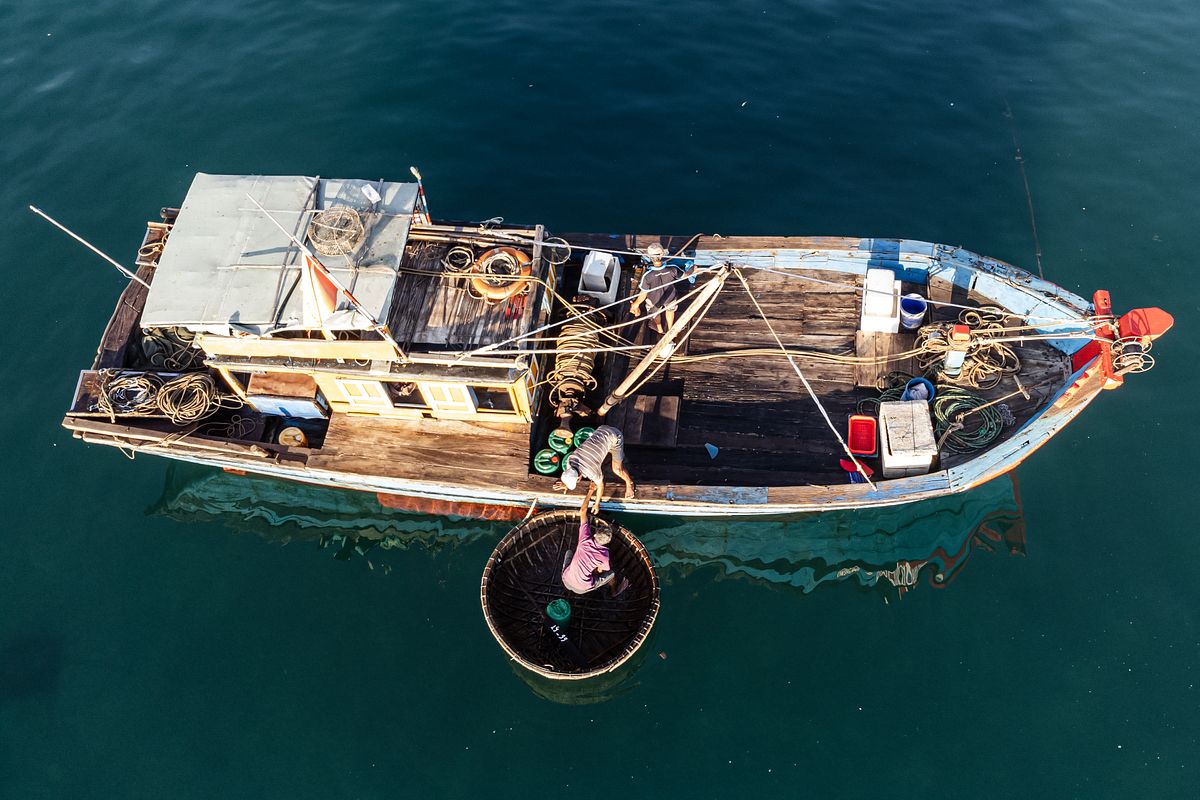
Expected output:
(226, 263)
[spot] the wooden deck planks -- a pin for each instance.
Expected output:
(754, 409)
(433, 309)
(471, 453)
(884, 347)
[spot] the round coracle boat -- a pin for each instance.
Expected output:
(550, 629)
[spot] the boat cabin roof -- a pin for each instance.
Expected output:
(227, 267)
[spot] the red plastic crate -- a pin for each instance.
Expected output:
(864, 435)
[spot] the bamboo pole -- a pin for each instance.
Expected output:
(668, 340)
(88, 245)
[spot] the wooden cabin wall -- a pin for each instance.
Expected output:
(318, 349)
(357, 394)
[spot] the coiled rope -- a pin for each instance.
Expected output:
(987, 360)
(128, 394)
(952, 407)
(184, 399)
(574, 359)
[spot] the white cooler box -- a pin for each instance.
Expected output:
(880, 302)
(906, 443)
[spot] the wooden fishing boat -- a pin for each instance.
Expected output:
(333, 332)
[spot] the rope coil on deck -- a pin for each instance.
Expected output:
(184, 399)
(574, 359)
(987, 361)
(952, 407)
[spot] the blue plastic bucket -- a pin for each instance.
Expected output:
(912, 311)
(917, 382)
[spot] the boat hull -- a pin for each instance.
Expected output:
(991, 280)
(685, 501)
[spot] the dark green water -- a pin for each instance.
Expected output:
(175, 655)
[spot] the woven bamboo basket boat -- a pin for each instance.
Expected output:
(524, 575)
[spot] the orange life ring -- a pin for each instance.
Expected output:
(496, 287)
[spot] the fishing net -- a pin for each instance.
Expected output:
(336, 231)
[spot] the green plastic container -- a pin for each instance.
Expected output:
(547, 462)
(559, 612)
(582, 435)
(559, 443)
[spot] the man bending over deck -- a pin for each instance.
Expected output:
(590, 567)
(588, 461)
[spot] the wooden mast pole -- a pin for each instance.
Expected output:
(667, 343)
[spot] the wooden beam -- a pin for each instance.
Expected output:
(368, 350)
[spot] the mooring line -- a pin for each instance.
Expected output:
(1037, 245)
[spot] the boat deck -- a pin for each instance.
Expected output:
(440, 451)
(753, 409)
(431, 311)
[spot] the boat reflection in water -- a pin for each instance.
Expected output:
(888, 550)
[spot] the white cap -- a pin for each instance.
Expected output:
(570, 478)
(656, 250)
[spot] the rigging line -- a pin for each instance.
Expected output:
(678, 343)
(811, 355)
(857, 464)
(544, 351)
(607, 329)
(944, 303)
(489, 348)
(1037, 245)
(516, 236)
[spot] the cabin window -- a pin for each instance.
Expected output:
(449, 397)
(238, 380)
(364, 394)
(298, 333)
(488, 398)
(405, 395)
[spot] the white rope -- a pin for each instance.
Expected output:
(857, 464)
(521, 337)
(614, 349)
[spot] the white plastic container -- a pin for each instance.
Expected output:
(601, 277)
(880, 302)
(906, 443)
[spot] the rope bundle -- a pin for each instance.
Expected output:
(987, 361)
(128, 394)
(187, 398)
(458, 260)
(952, 408)
(574, 360)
